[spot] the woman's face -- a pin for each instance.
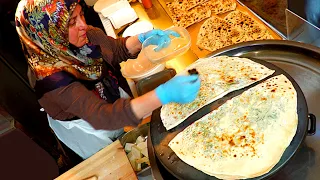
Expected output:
(77, 28)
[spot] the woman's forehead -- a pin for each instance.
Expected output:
(76, 11)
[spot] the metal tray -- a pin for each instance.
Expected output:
(285, 54)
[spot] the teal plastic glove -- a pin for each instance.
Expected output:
(159, 38)
(180, 89)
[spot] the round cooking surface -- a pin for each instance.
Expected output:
(281, 53)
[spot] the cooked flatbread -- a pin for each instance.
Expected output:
(236, 27)
(188, 4)
(184, 18)
(220, 6)
(246, 136)
(219, 76)
(213, 34)
(242, 20)
(267, 35)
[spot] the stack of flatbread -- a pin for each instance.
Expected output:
(236, 27)
(184, 13)
(246, 136)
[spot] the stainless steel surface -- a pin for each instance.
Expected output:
(301, 30)
(130, 137)
(271, 12)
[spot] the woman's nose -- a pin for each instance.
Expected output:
(82, 24)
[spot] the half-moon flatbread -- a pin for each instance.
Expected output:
(213, 34)
(236, 27)
(219, 76)
(246, 136)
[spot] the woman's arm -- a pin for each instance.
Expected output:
(133, 44)
(145, 104)
(77, 100)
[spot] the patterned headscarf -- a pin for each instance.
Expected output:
(43, 29)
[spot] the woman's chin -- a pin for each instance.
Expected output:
(80, 43)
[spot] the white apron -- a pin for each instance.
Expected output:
(81, 137)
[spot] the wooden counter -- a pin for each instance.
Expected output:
(109, 163)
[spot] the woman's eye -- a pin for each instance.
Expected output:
(71, 22)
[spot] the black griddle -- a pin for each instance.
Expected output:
(278, 51)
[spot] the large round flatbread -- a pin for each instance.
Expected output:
(219, 76)
(246, 136)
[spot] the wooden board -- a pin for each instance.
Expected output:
(109, 163)
(194, 29)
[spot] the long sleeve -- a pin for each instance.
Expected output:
(76, 100)
(114, 51)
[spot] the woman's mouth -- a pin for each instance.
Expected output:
(84, 35)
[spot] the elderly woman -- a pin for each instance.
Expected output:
(78, 79)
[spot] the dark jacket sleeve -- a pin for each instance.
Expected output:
(113, 50)
(76, 99)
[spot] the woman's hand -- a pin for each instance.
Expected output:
(160, 38)
(180, 89)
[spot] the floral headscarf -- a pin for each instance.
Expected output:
(43, 29)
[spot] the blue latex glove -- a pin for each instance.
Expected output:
(180, 89)
(159, 38)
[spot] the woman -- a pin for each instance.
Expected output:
(79, 83)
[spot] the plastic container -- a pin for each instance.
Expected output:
(102, 4)
(177, 47)
(153, 70)
(113, 8)
(140, 68)
(138, 28)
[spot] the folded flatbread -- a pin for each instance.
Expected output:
(219, 76)
(246, 136)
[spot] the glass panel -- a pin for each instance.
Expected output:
(272, 11)
(6, 121)
(301, 30)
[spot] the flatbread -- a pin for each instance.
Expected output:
(236, 27)
(184, 13)
(184, 18)
(220, 6)
(213, 34)
(246, 136)
(241, 20)
(219, 76)
(188, 4)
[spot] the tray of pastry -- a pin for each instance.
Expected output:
(214, 24)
